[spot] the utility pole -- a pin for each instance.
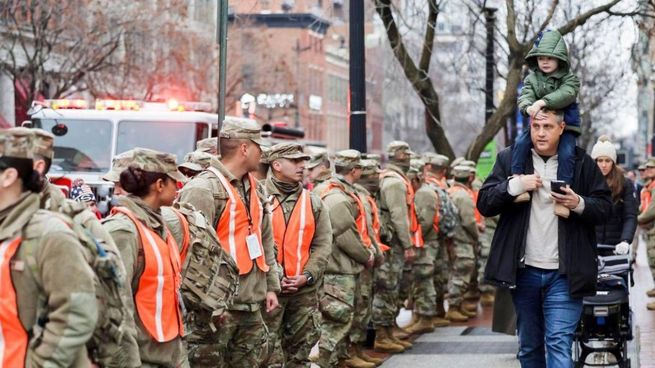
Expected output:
(490, 19)
(221, 23)
(357, 77)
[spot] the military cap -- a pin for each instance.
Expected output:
(236, 128)
(119, 163)
(196, 161)
(348, 158)
(207, 145)
(263, 159)
(461, 171)
(398, 146)
(642, 166)
(435, 159)
(17, 143)
(456, 162)
(373, 156)
(369, 167)
(288, 150)
(156, 162)
(650, 162)
(468, 163)
(44, 143)
(318, 155)
(415, 167)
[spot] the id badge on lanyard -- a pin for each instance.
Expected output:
(254, 249)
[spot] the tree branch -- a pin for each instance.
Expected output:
(428, 42)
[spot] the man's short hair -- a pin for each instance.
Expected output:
(559, 114)
(342, 170)
(229, 146)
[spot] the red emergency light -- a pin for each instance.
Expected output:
(62, 104)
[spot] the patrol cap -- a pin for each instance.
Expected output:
(415, 166)
(288, 150)
(196, 161)
(17, 143)
(461, 172)
(373, 156)
(317, 155)
(642, 166)
(236, 128)
(468, 163)
(456, 162)
(348, 158)
(263, 159)
(157, 162)
(207, 145)
(650, 162)
(369, 167)
(44, 143)
(435, 159)
(119, 163)
(398, 146)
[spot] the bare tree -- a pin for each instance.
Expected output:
(518, 33)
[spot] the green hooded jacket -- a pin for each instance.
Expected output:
(558, 89)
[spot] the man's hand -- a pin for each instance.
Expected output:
(409, 255)
(481, 227)
(271, 301)
(622, 248)
(531, 182)
(534, 109)
(569, 200)
(291, 284)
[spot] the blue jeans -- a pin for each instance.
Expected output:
(547, 317)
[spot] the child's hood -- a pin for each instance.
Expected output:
(549, 43)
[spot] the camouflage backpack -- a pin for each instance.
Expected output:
(104, 259)
(209, 274)
(448, 214)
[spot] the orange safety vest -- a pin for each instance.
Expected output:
(294, 238)
(415, 231)
(186, 235)
(474, 198)
(157, 296)
(478, 215)
(237, 223)
(13, 337)
(440, 183)
(377, 225)
(646, 197)
(360, 221)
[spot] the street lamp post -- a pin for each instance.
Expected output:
(357, 77)
(222, 64)
(490, 19)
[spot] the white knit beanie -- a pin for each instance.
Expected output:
(604, 148)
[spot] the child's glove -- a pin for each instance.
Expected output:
(622, 248)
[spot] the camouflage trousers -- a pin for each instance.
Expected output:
(242, 339)
(462, 256)
(485, 247)
(406, 290)
(441, 272)
(201, 342)
(293, 329)
(363, 307)
(337, 305)
(386, 285)
(424, 293)
(650, 251)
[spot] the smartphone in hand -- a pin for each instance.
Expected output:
(556, 186)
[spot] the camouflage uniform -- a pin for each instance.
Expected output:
(208, 145)
(462, 250)
(53, 284)
(125, 235)
(394, 217)
(646, 220)
(485, 246)
(347, 260)
(243, 333)
(425, 295)
(294, 327)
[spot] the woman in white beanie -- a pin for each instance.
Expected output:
(620, 228)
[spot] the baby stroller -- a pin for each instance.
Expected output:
(606, 322)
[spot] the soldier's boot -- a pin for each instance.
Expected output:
(441, 311)
(651, 293)
(523, 197)
(470, 306)
(469, 313)
(405, 344)
(400, 333)
(472, 295)
(355, 361)
(650, 306)
(440, 322)
(384, 343)
(362, 354)
(423, 325)
(562, 211)
(487, 299)
(454, 314)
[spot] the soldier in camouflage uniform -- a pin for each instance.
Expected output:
(462, 249)
(49, 309)
(318, 168)
(207, 145)
(646, 221)
(351, 253)
(294, 328)
(264, 165)
(488, 291)
(394, 207)
(244, 336)
(436, 170)
(119, 163)
(194, 163)
(51, 196)
(151, 178)
(367, 186)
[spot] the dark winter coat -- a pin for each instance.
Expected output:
(622, 222)
(577, 236)
(558, 89)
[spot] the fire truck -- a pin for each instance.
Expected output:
(86, 139)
